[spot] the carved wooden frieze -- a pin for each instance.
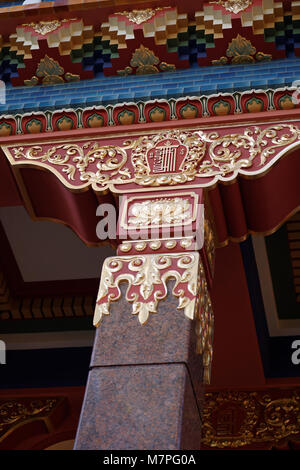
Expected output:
(171, 158)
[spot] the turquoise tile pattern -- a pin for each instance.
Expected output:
(196, 81)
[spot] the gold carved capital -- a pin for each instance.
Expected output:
(147, 277)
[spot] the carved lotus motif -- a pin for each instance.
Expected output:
(160, 211)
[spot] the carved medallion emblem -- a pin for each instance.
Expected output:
(168, 158)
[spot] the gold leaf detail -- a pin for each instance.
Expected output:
(234, 6)
(45, 27)
(147, 276)
(48, 67)
(242, 52)
(145, 62)
(160, 211)
(234, 419)
(75, 160)
(51, 73)
(139, 16)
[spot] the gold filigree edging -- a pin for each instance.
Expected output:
(204, 325)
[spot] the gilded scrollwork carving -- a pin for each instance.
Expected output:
(235, 419)
(51, 73)
(232, 152)
(76, 161)
(209, 243)
(145, 62)
(241, 51)
(167, 158)
(14, 412)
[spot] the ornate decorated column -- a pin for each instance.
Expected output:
(153, 343)
(153, 348)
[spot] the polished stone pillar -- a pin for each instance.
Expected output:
(145, 385)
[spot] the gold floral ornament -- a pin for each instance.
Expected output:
(51, 73)
(16, 412)
(242, 52)
(160, 211)
(234, 6)
(147, 276)
(87, 164)
(139, 16)
(145, 62)
(45, 27)
(165, 159)
(225, 152)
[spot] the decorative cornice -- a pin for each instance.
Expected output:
(199, 158)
